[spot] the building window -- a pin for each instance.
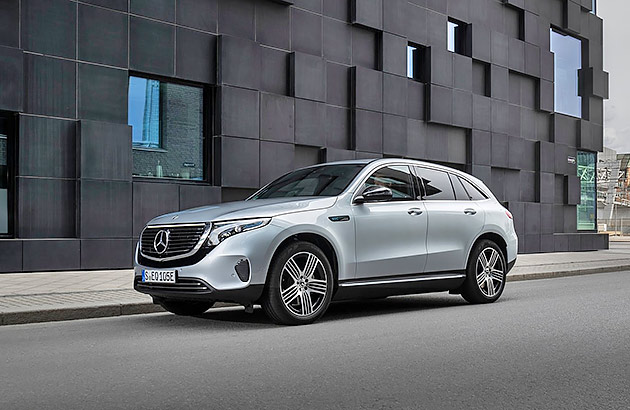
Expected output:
(586, 210)
(167, 129)
(416, 56)
(457, 36)
(567, 52)
(594, 7)
(4, 176)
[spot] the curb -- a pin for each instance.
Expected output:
(76, 312)
(82, 312)
(124, 309)
(565, 273)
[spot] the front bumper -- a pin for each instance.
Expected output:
(197, 290)
(211, 274)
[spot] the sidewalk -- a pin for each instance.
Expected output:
(52, 296)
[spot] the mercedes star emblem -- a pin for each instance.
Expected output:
(160, 243)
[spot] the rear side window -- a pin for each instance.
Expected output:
(474, 193)
(460, 192)
(437, 185)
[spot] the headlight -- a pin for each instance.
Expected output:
(223, 230)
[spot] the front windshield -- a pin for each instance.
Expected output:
(326, 180)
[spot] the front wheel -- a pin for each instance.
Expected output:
(300, 285)
(485, 274)
(184, 308)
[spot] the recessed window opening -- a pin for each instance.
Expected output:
(457, 32)
(167, 129)
(416, 57)
(567, 52)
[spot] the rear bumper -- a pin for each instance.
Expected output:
(510, 265)
(197, 290)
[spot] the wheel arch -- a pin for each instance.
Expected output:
(494, 237)
(316, 239)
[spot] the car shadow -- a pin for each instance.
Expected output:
(391, 305)
(234, 318)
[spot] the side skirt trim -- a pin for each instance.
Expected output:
(422, 278)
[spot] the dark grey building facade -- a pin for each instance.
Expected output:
(115, 111)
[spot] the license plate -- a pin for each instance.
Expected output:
(158, 276)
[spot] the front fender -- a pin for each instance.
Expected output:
(340, 235)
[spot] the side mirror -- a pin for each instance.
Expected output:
(375, 194)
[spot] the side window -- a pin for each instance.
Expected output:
(396, 178)
(474, 193)
(460, 192)
(437, 185)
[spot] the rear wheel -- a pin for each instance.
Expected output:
(185, 308)
(486, 273)
(299, 286)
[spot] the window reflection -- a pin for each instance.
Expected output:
(568, 60)
(396, 178)
(452, 30)
(167, 129)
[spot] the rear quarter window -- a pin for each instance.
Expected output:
(460, 192)
(473, 192)
(437, 185)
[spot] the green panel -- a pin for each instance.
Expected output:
(587, 208)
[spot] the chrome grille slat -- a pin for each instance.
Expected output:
(183, 285)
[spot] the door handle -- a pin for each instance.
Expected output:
(414, 211)
(470, 211)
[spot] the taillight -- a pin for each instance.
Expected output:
(509, 214)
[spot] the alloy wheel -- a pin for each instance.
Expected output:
(303, 284)
(490, 272)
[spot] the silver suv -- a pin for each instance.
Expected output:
(342, 230)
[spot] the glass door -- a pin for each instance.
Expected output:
(587, 208)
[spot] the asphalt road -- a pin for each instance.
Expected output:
(547, 344)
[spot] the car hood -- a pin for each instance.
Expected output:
(259, 208)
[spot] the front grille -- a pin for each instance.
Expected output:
(182, 240)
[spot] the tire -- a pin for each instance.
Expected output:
(184, 308)
(299, 285)
(485, 273)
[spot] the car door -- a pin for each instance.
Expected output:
(453, 221)
(391, 236)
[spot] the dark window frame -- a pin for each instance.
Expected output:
(12, 150)
(486, 69)
(209, 104)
